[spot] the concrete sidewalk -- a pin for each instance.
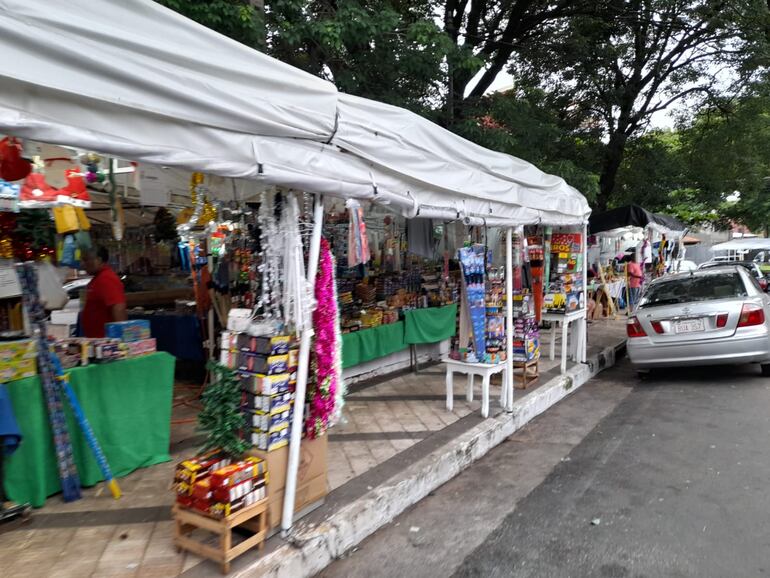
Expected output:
(398, 444)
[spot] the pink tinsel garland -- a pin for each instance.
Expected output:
(322, 396)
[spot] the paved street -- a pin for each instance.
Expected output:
(624, 478)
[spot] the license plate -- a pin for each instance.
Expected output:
(689, 326)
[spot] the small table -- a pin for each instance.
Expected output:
(565, 320)
(186, 521)
(485, 370)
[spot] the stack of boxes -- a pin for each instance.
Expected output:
(267, 367)
(526, 335)
(215, 487)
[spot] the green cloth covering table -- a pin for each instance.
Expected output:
(128, 404)
(430, 325)
(373, 343)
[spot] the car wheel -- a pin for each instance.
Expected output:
(644, 374)
(765, 369)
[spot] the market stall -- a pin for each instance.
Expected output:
(170, 93)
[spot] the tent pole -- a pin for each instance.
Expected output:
(508, 385)
(584, 324)
(302, 373)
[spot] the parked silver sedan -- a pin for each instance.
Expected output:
(711, 316)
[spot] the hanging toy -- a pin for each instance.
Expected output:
(93, 174)
(197, 189)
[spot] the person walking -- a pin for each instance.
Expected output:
(635, 278)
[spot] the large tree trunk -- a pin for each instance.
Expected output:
(613, 157)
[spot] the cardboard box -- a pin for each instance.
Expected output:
(308, 493)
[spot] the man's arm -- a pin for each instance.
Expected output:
(119, 312)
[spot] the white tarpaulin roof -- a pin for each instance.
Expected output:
(752, 244)
(133, 79)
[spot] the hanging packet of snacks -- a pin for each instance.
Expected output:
(358, 244)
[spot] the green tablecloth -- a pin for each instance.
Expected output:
(430, 325)
(367, 344)
(128, 404)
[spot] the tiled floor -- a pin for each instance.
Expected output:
(98, 536)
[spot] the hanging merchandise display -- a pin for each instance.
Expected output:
(324, 394)
(536, 261)
(297, 303)
(12, 166)
(495, 305)
(472, 260)
(358, 243)
(565, 288)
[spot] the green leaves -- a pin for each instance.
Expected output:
(221, 418)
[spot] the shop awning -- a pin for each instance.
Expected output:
(133, 79)
(752, 244)
(635, 216)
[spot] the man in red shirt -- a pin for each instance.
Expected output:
(105, 299)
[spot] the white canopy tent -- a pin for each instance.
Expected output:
(132, 79)
(136, 80)
(752, 244)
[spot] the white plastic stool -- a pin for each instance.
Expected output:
(485, 370)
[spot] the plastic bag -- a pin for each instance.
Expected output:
(52, 293)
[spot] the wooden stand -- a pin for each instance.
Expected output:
(186, 521)
(530, 372)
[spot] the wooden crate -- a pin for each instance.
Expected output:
(529, 374)
(253, 518)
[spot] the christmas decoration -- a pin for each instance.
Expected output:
(323, 395)
(221, 418)
(7, 228)
(165, 226)
(34, 235)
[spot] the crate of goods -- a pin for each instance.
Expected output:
(228, 497)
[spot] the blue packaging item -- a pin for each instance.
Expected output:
(268, 421)
(133, 330)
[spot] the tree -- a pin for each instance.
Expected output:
(489, 33)
(634, 58)
(241, 20)
(529, 126)
(221, 418)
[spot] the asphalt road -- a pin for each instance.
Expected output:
(669, 477)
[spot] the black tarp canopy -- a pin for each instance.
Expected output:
(632, 216)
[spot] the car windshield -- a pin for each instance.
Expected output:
(694, 288)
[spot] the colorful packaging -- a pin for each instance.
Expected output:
(141, 347)
(201, 489)
(17, 369)
(268, 421)
(238, 491)
(264, 384)
(262, 364)
(268, 403)
(18, 350)
(133, 330)
(190, 471)
(238, 472)
(265, 345)
(270, 441)
(222, 510)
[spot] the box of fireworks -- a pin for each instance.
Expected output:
(566, 242)
(141, 347)
(574, 301)
(236, 492)
(199, 467)
(270, 441)
(109, 352)
(264, 384)
(266, 365)
(17, 369)
(203, 506)
(275, 402)
(293, 358)
(18, 350)
(233, 474)
(132, 330)
(224, 509)
(312, 463)
(201, 489)
(526, 349)
(184, 500)
(264, 345)
(268, 421)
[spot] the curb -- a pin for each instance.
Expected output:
(312, 548)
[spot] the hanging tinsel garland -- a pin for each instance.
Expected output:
(323, 395)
